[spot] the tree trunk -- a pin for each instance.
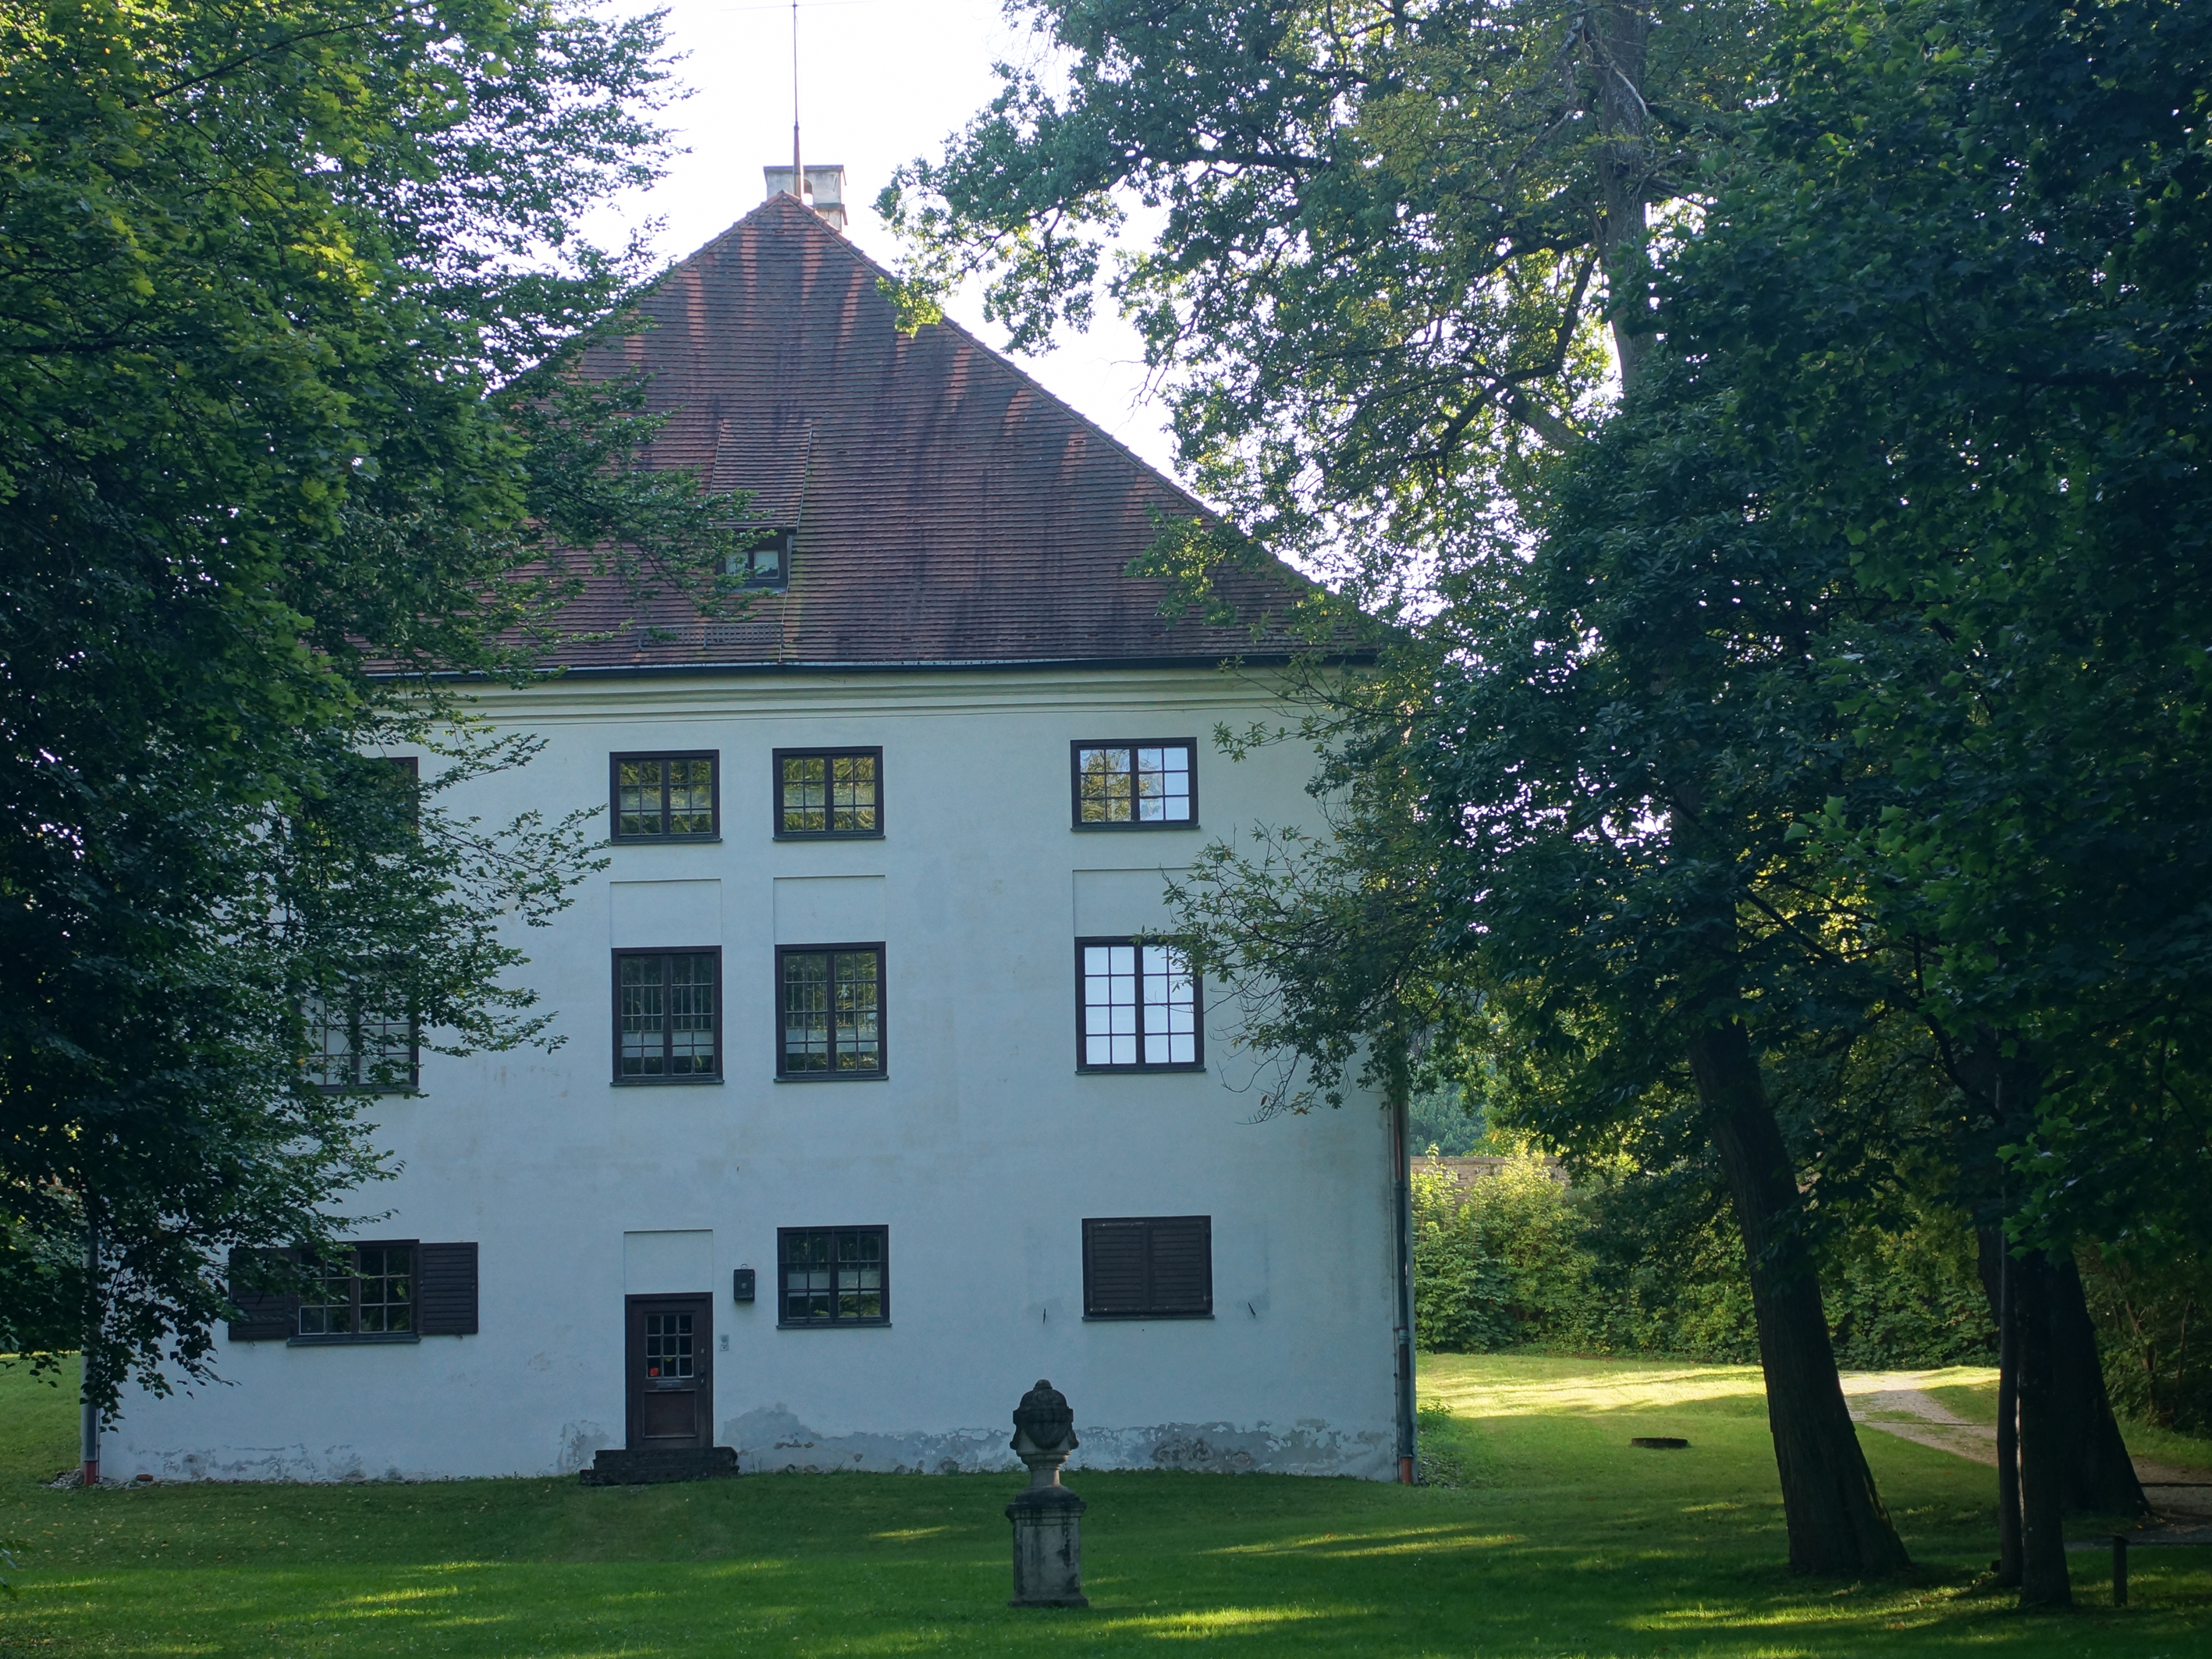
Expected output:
(2007, 1423)
(1621, 41)
(2043, 1579)
(2098, 1476)
(1836, 1521)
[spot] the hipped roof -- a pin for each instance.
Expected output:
(948, 509)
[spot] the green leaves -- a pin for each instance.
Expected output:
(285, 286)
(1384, 242)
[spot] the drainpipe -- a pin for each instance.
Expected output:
(1401, 1205)
(90, 1426)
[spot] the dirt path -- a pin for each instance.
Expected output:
(1894, 1403)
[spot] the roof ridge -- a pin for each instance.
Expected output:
(812, 223)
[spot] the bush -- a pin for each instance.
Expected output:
(2150, 1320)
(1497, 1263)
(1518, 1256)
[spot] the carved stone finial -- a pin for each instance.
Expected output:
(1044, 1420)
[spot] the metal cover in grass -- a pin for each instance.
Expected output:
(1659, 1443)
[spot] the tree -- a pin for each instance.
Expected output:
(1387, 233)
(285, 438)
(1972, 286)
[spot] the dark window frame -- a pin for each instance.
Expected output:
(413, 1085)
(722, 1049)
(1091, 1310)
(357, 1336)
(783, 1323)
(692, 838)
(775, 793)
(1084, 1064)
(882, 1015)
(1075, 782)
(785, 537)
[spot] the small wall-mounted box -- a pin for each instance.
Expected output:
(741, 1285)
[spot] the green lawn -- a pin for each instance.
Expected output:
(1556, 1539)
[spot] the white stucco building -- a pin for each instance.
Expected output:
(873, 1107)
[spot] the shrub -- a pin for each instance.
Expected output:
(2151, 1317)
(1518, 1256)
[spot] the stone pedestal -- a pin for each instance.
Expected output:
(1047, 1549)
(1048, 1517)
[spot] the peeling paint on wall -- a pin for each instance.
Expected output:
(773, 1439)
(581, 1444)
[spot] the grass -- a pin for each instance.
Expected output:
(1557, 1539)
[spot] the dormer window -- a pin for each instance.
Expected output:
(765, 562)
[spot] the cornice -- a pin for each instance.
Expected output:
(576, 699)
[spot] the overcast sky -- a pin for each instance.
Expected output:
(879, 82)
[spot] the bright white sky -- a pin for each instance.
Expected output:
(879, 82)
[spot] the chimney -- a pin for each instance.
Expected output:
(825, 185)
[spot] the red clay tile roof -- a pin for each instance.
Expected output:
(949, 509)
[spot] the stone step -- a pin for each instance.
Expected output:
(614, 1468)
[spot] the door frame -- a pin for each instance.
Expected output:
(702, 1305)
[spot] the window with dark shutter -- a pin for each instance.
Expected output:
(1155, 1266)
(388, 1292)
(268, 1301)
(445, 1290)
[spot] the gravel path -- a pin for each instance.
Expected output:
(1894, 1403)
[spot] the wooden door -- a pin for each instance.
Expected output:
(668, 1359)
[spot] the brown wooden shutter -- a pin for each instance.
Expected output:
(1182, 1264)
(265, 1315)
(1113, 1268)
(1136, 1266)
(445, 1290)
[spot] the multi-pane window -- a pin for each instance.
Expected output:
(666, 797)
(1143, 784)
(835, 792)
(668, 1345)
(352, 1048)
(1139, 1006)
(833, 1275)
(368, 1292)
(830, 1009)
(668, 1019)
(1148, 1267)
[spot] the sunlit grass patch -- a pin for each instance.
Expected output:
(1570, 1546)
(1218, 1621)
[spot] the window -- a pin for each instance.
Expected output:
(1145, 783)
(1138, 1007)
(392, 1291)
(668, 1015)
(369, 1292)
(1150, 1266)
(765, 562)
(357, 1049)
(831, 1001)
(668, 1345)
(667, 797)
(833, 1275)
(832, 791)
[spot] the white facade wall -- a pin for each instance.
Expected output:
(981, 1150)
